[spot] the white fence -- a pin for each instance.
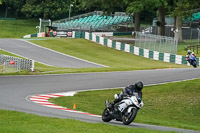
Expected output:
(156, 43)
(15, 63)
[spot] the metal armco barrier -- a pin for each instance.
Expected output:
(19, 63)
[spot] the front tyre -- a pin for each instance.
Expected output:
(127, 118)
(194, 64)
(106, 116)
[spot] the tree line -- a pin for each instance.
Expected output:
(56, 9)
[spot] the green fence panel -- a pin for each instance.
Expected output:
(131, 49)
(141, 52)
(161, 56)
(97, 39)
(105, 42)
(79, 34)
(114, 44)
(121, 33)
(90, 36)
(122, 46)
(83, 35)
(172, 58)
(33, 35)
(197, 61)
(184, 61)
(1, 18)
(151, 54)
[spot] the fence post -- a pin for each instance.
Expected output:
(18, 65)
(4, 67)
(32, 65)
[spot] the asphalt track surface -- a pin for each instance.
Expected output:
(43, 55)
(14, 90)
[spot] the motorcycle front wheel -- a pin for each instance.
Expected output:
(194, 64)
(106, 116)
(127, 118)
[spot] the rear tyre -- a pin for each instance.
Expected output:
(106, 116)
(127, 118)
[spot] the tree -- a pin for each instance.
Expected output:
(161, 17)
(46, 8)
(135, 7)
(14, 5)
(183, 9)
(103, 5)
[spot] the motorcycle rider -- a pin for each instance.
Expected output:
(189, 55)
(135, 89)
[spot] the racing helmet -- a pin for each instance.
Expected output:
(189, 52)
(139, 85)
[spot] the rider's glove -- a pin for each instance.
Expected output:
(139, 100)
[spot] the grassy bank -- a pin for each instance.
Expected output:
(116, 60)
(17, 28)
(172, 104)
(17, 122)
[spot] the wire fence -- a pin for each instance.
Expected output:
(158, 43)
(14, 64)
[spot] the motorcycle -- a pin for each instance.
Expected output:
(192, 61)
(125, 111)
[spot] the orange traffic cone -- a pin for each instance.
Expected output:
(74, 106)
(170, 67)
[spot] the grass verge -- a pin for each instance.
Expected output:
(17, 122)
(172, 104)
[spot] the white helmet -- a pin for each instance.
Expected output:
(189, 52)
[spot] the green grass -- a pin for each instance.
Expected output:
(17, 122)
(17, 28)
(172, 104)
(182, 50)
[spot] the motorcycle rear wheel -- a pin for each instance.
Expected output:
(127, 118)
(106, 116)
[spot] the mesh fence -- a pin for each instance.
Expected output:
(11, 66)
(15, 64)
(158, 43)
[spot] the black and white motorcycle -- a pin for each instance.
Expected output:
(125, 111)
